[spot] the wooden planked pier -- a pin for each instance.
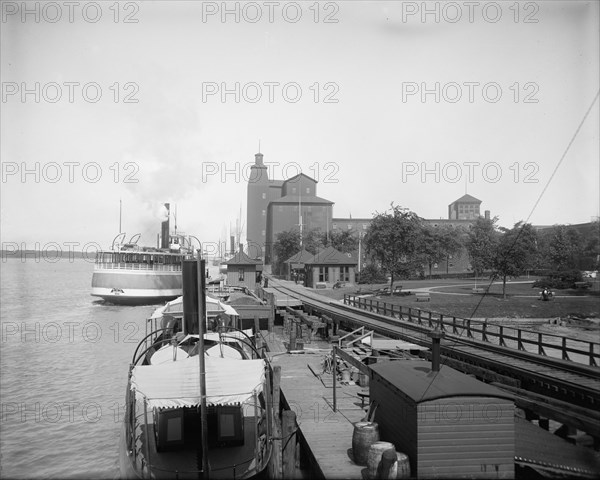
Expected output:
(326, 436)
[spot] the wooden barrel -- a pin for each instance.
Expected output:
(403, 465)
(374, 456)
(388, 466)
(365, 434)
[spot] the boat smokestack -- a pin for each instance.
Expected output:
(190, 296)
(164, 230)
(232, 245)
(436, 337)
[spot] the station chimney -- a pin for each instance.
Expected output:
(436, 337)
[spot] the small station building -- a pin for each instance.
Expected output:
(449, 424)
(329, 266)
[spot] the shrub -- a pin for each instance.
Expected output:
(560, 280)
(372, 274)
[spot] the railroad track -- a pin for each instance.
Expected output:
(551, 383)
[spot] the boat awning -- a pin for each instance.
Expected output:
(177, 384)
(175, 308)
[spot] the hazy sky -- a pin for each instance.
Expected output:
(404, 102)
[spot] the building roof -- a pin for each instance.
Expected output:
(295, 199)
(293, 179)
(416, 380)
(240, 258)
(331, 256)
(459, 222)
(467, 198)
(351, 219)
(275, 183)
(300, 257)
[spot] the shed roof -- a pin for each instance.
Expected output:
(331, 256)
(417, 381)
(240, 258)
(300, 257)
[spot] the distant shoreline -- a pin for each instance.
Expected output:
(45, 254)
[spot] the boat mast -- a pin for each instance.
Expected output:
(300, 211)
(201, 329)
(175, 219)
(120, 208)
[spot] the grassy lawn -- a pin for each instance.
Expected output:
(455, 297)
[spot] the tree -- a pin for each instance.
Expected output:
(438, 243)
(563, 247)
(515, 252)
(312, 241)
(286, 245)
(344, 241)
(481, 243)
(393, 239)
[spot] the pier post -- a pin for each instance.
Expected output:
(276, 466)
(257, 337)
(288, 420)
(293, 329)
(334, 374)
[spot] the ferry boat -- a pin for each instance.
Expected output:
(129, 274)
(167, 431)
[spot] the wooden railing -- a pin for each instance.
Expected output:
(567, 348)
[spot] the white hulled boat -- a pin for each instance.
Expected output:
(133, 275)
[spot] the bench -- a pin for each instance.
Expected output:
(383, 291)
(583, 285)
(397, 290)
(363, 396)
(480, 290)
(422, 296)
(321, 285)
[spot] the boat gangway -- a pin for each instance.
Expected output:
(519, 360)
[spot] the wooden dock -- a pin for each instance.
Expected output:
(326, 435)
(279, 300)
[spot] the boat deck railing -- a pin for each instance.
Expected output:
(139, 420)
(138, 266)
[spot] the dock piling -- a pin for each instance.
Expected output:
(288, 421)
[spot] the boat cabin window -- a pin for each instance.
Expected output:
(168, 429)
(141, 258)
(230, 430)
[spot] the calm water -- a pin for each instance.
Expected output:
(63, 369)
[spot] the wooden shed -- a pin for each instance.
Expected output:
(330, 266)
(242, 271)
(449, 424)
